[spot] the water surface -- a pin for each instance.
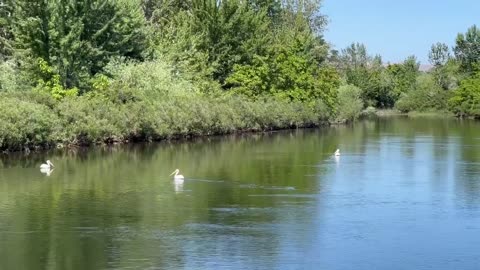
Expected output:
(405, 194)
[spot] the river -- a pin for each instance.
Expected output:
(404, 194)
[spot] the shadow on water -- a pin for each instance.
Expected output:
(266, 201)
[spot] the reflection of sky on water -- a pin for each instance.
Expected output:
(398, 206)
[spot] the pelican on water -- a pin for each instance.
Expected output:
(47, 165)
(337, 153)
(177, 177)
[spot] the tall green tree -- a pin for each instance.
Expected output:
(77, 38)
(6, 16)
(367, 73)
(227, 32)
(445, 68)
(439, 54)
(295, 11)
(381, 86)
(287, 74)
(273, 7)
(162, 11)
(378, 90)
(467, 49)
(404, 75)
(466, 99)
(31, 28)
(354, 64)
(234, 32)
(291, 65)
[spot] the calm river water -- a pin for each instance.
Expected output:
(405, 194)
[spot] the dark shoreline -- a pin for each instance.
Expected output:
(172, 139)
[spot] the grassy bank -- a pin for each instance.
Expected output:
(413, 114)
(36, 121)
(149, 102)
(431, 114)
(388, 112)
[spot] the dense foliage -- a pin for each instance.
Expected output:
(83, 72)
(350, 102)
(381, 85)
(156, 105)
(451, 84)
(425, 95)
(466, 99)
(93, 71)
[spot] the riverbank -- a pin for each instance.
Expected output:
(432, 114)
(413, 114)
(34, 121)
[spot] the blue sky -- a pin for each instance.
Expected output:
(396, 29)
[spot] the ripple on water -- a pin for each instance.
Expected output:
(22, 232)
(205, 180)
(254, 186)
(224, 229)
(241, 210)
(286, 195)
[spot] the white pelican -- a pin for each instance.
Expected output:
(177, 177)
(337, 153)
(48, 165)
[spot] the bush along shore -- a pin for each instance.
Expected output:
(82, 121)
(25, 125)
(146, 102)
(142, 70)
(129, 70)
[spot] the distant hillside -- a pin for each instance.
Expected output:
(425, 67)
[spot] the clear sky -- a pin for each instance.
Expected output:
(396, 29)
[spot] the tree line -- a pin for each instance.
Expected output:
(450, 85)
(114, 70)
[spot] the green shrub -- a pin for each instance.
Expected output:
(142, 102)
(26, 124)
(466, 99)
(426, 95)
(51, 82)
(350, 103)
(86, 120)
(145, 81)
(370, 111)
(9, 77)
